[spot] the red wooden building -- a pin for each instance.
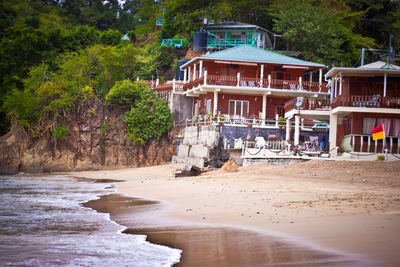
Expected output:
(246, 82)
(361, 99)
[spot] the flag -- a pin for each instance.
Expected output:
(378, 132)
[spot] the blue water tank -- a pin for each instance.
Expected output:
(179, 72)
(200, 41)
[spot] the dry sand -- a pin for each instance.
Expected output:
(349, 207)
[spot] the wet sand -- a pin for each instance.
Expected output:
(204, 245)
(334, 208)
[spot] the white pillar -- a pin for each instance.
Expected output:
(269, 81)
(157, 82)
(340, 84)
(320, 79)
(215, 103)
(261, 75)
(189, 74)
(335, 93)
(287, 129)
(311, 76)
(264, 109)
(333, 120)
(296, 130)
(173, 85)
(185, 75)
(194, 72)
(384, 85)
(276, 120)
(300, 83)
(205, 77)
(201, 69)
(238, 79)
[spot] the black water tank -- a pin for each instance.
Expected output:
(200, 41)
(179, 72)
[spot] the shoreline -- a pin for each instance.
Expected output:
(306, 206)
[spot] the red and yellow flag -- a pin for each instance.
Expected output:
(378, 132)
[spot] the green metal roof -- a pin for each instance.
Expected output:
(250, 53)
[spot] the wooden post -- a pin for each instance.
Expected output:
(194, 72)
(261, 75)
(205, 77)
(185, 75)
(340, 84)
(201, 69)
(238, 79)
(296, 130)
(287, 129)
(173, 85)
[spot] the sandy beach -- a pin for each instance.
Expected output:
(315, 213)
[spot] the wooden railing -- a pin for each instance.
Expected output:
(308, 103)
(195, 83)
(374, 101)
(222, 80)
(364, 143)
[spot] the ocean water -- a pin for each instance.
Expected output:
(42, 223)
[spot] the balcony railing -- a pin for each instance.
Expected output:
(374, 101)
(237, 81)
(308, 103)
(365, 144)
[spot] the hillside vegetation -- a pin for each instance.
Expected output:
(58, 57)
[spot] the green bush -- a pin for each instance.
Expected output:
(60, 132)
(124, 93)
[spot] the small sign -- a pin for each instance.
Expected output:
(299, 101)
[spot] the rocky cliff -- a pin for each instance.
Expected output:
(96, 139)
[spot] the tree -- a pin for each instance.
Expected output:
(315, 31)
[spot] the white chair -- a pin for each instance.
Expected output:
(260, 142)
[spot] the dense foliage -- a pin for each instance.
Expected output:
(56, 54)
(148, 117)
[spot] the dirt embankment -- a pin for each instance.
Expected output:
(96, 139)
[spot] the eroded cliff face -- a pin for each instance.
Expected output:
(96, 139)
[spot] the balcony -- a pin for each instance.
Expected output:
(375, 101)
(308, 104)
(247, 82)
(357, 143)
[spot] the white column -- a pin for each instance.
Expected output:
(201, 68)
(287, 129)
(238, 79)
(189, 74)
(384, 85)
(215, 102)
(276, 120)
(320, 79)
(340, 84)
(311, 76)
(261, 74)
(264, 109)
(333, 119)
(185, 75)
(194, 72)
(269, 81)
(205, 77)
(173, 85)
(296, 130)
(300, 83)
(335, 93)
(157, 82)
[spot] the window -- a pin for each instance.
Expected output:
(208, 106)
(279, 109)
(368, 125)
(238, 107)
(196, 109)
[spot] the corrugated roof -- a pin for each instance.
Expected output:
(379, 65)
(248, 53)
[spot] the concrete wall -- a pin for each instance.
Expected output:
(181, 107)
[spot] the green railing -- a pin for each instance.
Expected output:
(364, 143)
(177, 43)
(215, 42)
